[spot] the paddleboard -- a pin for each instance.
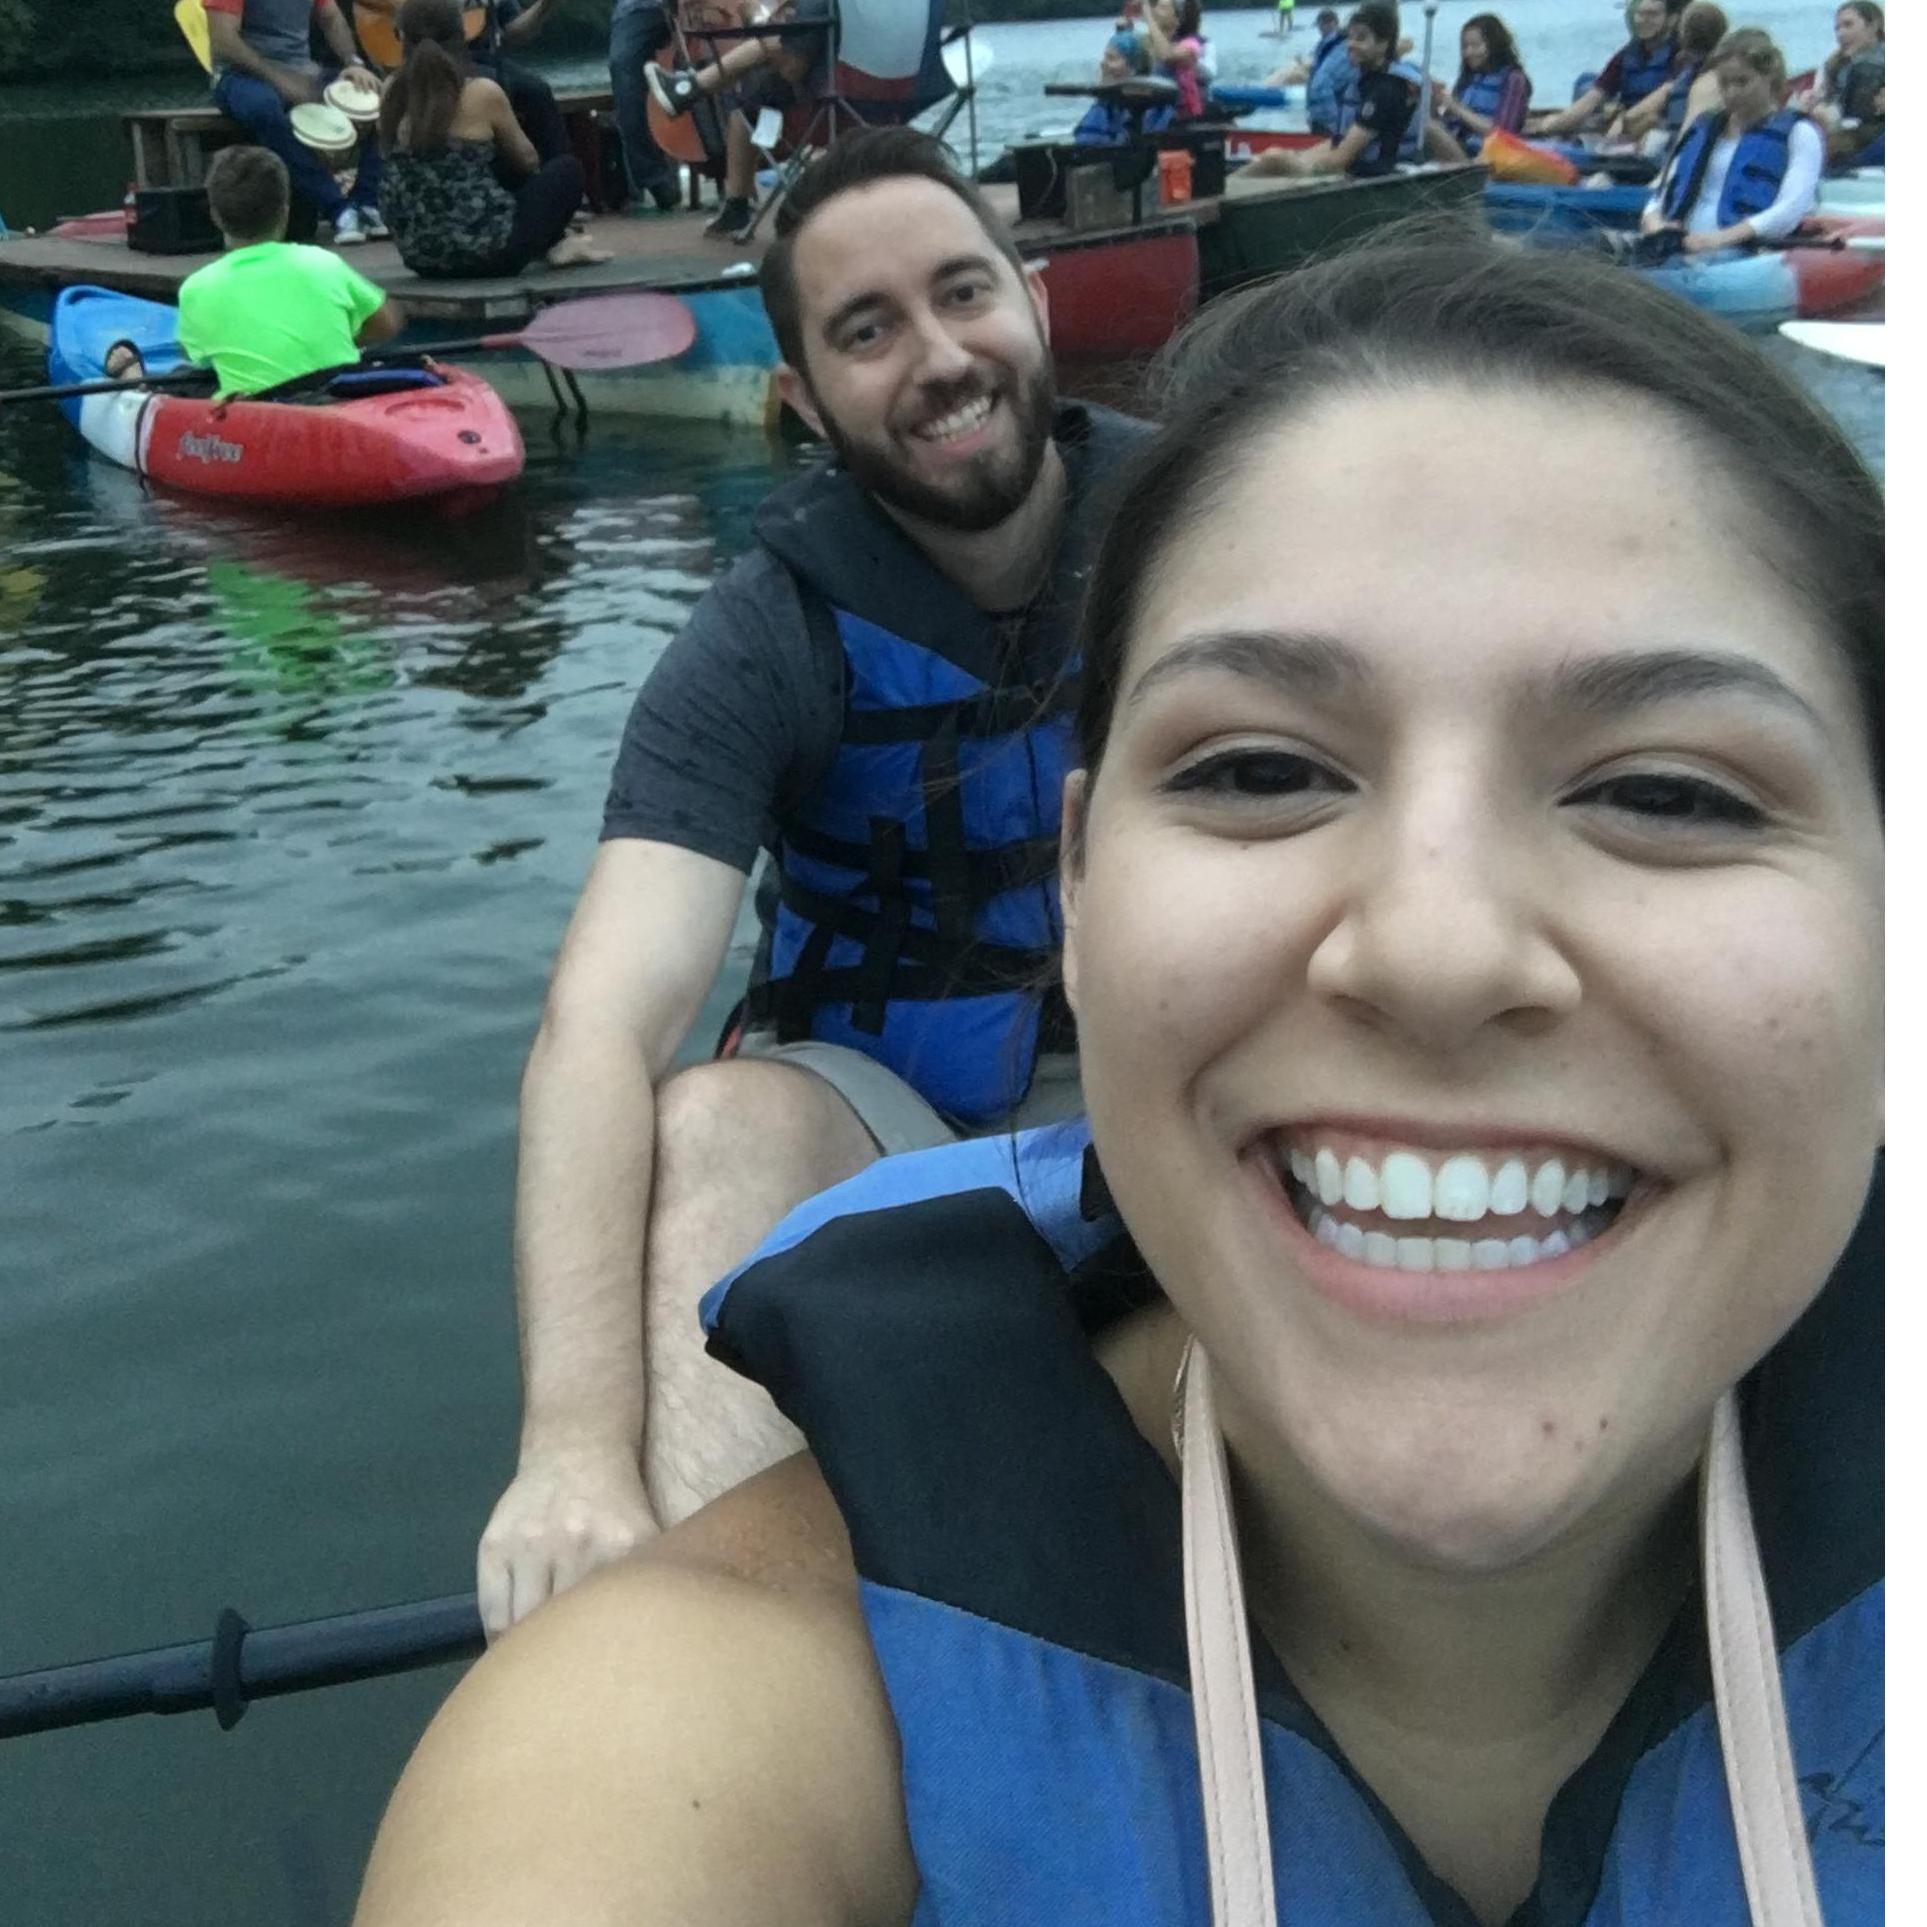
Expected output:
(1861, 341)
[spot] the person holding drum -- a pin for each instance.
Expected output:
(263, 69)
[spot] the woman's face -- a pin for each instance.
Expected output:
(1165, 13)
(1853, 32)
(1649, 20)
(1475, 947)
(1747, 94)
(1472, 50)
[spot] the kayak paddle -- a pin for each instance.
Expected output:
(600, 331)
(242, 1663)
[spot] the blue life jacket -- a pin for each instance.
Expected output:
(1482, 92)
(1682, 86)
(1753, 180)
(1325, 82)
(1641, 70)
(1107, 123)
(927, 1325)
(917, 906)
(1410, 142)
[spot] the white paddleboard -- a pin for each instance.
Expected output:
(1861, 341)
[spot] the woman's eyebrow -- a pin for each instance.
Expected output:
(1298, 663)
(1308, 664)
(1615, 684)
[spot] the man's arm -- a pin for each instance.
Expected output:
(341, 43)
(642, 950)
(527, 23)
(230, 50)
(384, 324)
(1569, 120)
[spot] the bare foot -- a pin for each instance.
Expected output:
(123, 362)
(577, 251)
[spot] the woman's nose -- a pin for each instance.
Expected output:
(1444, 933)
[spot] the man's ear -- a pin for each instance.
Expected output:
(1070, 870)
(1039, 300)
(795, 391)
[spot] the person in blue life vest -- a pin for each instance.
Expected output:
(1658, 120)
(1108, 123)
(1480, 1014)
(1750, 171)
(1849, 95)
(1321, 73)
(1377, 109)
(1493, 90)
(878, 694)
(1646, 65)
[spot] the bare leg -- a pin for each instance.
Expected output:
(737, 1146)
(739, 162)
(731, 65)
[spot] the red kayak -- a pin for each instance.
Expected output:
(372, 436)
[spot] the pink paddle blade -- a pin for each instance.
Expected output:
(611, 331)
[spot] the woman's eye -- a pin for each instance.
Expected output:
(1688, 802)
(1257, 774)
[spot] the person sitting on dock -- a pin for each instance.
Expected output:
(880, 693)
(514, 23)
(1373, 117)
(638, 32)
(450, 135)
(268, 311)
(772, 73)
(1695, 88)
(1645, 66)
(1493, 90)
(1748, 173)
(262, 67)
(1111, 122)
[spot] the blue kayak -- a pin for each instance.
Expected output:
(1558, 214)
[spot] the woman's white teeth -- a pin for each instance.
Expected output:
(958, 422)
(1380, 1248)
(1460, 1189)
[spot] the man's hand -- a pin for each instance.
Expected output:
(567, 1511)
(296, 89)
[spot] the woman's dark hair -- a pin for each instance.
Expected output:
(1701, 28)
(434, 69)
(1501, 50)
(1379, 18)
(1411, 307)
(1190, 18)
(1836, 62)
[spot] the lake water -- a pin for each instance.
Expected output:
(291, 816)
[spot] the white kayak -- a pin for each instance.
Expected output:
(1861, 341)
(1864, 192)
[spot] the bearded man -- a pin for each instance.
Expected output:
(879, 693)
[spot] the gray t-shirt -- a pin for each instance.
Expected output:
(742, 716)
(278, 29)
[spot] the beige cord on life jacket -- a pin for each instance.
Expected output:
(1747, 1700)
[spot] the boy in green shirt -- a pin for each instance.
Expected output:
(270, 311)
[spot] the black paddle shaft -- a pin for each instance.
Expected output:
(241, 1664)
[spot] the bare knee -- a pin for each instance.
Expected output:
(739, 1144)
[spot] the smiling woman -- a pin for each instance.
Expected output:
(1475, 943)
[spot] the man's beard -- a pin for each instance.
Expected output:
(982, 493)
